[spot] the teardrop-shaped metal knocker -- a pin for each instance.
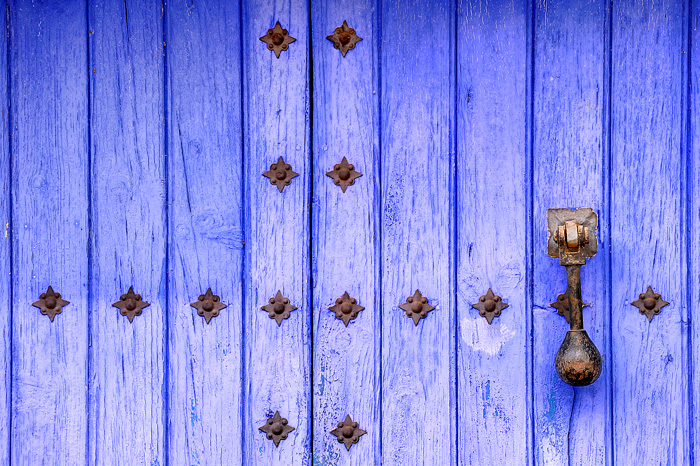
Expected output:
(572, 239)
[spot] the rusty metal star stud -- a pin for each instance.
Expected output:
(208, 305)
(346, 308)
(348, 432)
(277, 39)
(344, 38)
(130, 304)
(277, 428)
(650, 303)
(416, 307)
(490, 306)
(344, 174)
(278, 308)
(50, 303)
(563, 306)
(280, 174)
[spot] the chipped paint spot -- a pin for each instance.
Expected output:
(480, 336)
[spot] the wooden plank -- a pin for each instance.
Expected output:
(649, 358)
(276, 108)
(49, 125)
(128, 232)
(205, 190)
(492, 365)
(5, 251)
(692, 212)
(417, 173)
(345, 233)
(569, 170)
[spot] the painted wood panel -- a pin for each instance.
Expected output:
(5, 250)
(206, 249)
(570, 162)
(691, 228)
(417, 195)
(49, 127)
(128, 232)
(650, 377)
(346, 233)
(492, 363)
(277, 124)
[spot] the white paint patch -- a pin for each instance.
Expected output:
(480, 336)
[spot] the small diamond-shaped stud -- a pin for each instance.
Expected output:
(280, 174)
(416, 307)
(130, 304)
(346, 308)
(344, 38)
(344, 174)
(490, 306)
(276, 428)
(650, 303)
(50, 303)
(563, 306)
(348, 432)
(278, 308)
(277, 39)
(208, 305)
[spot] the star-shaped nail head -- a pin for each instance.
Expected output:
(344, 38)
(278, 308)
(344, 174)
(348, 432)
(50, 303)
(490, 306)
(277, 39)
(416, 307)
(346, 308)
(130, 304)
(563, 306)
(650, 303)
(208, 305)
(280, 174)
(276, 428)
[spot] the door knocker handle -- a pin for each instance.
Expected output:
(572, 239)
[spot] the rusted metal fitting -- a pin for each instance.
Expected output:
(277, 39)
(650, 303)
(50, 303)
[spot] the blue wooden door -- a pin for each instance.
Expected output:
(141, 147)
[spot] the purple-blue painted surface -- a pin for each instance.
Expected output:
(134, 138)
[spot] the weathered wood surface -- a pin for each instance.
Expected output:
(5, 252)
(650, 364)
(127, 364)
(346, 233)
(49, 127)
(692, 226)
(276, 108)
(205, 175)
(417, 202)
(492, 363)
(570, 165)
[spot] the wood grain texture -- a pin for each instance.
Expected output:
(569, 170)
(417, 173)
(491, 199)
(345, 233)
(277, 111)
(5, 252)
(650, 358)
(127, 419)
(692, 225)
(206, 249)
(50, 218)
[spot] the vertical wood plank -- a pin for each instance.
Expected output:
(569, 170)
(128, 232)
(693, 216)
(491, 198)
(417, 174)
(206, 250)
(50, 239)
(650, 358)
(5, 247)
(276, 109)
(345, 233)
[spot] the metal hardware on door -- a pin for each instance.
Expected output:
(50, 303)
(276, 428)
(130, 304)
(344, 174)
(280, 174)
(650, 303)
(208, 305)
(277, 39)
(572, 239)
(346, 308)
(489, 306)
(348, 432)
(344, 38)
(416, 307)
(278, 308)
